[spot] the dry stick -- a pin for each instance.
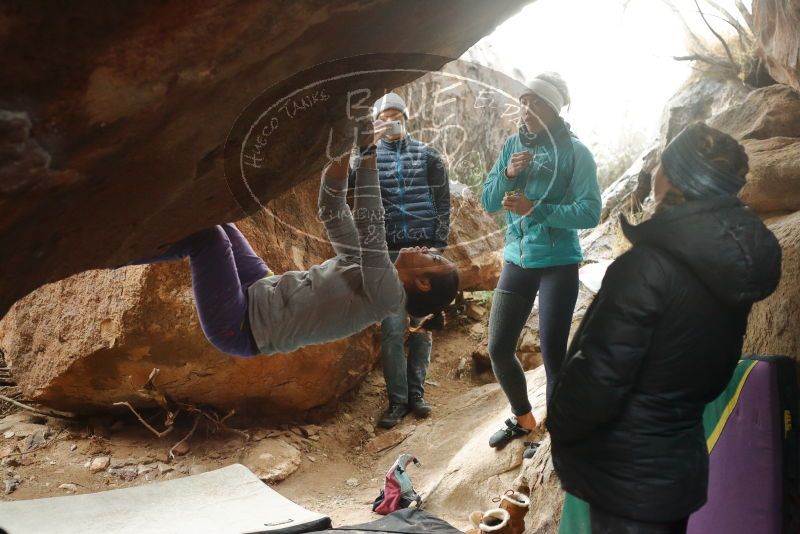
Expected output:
(219, 423)
(40, 411)
(171, 416)
(242, 433)
(145, 423)
(718, 36)
(151, 391)
(728, 17)
(704, 59)
(686, 28)
(745, 40)
(189, 435)
(743, 37)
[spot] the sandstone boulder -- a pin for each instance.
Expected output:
(772, 111)
(701, 97)
(272, 460)
(115, 117)
(773, 184)
(767, 123)
(631, 189)
(476, 243)
(773, 325)
(775, 25)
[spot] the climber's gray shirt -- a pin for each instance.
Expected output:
(342, 296)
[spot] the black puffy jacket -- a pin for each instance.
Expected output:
(659, 342)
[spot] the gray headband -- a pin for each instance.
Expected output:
(693, 174)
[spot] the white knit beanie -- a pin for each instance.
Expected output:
(389, 101)
(547, 92)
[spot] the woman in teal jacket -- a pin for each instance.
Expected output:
(546, 180)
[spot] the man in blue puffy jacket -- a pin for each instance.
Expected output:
(416, 196)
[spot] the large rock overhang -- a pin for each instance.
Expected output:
(114, 117)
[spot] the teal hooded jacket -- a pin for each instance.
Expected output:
(561, 181)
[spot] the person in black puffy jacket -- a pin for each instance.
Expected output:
(660, 341)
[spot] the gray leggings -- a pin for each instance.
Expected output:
(511, 305)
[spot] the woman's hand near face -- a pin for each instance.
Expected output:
(519, 161)
(517, 204)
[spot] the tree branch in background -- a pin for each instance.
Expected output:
(731, 19)
(718, 36)
(746, 15)
(704, 59)
(746, 39)
(698, 43)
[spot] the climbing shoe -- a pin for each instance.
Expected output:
(502, 437)
(393, 415)
(530, 449)
(420, 407)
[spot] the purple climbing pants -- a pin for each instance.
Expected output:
(224, 266)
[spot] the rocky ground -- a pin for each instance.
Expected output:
(334, 466)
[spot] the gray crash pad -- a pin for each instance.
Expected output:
(228, 500)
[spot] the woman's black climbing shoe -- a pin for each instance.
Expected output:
(512, 431)
(530, 449)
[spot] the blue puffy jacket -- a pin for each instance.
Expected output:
(416, 193)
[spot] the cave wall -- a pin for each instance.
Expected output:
(776, 24)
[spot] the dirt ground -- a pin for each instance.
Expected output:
(334, 466)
